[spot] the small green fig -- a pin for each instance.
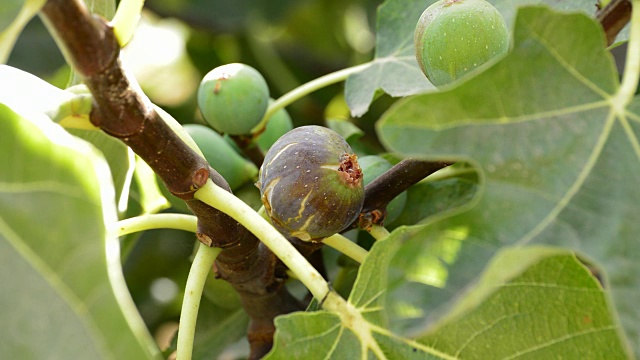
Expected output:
(222, 157)
(311, 183)
(372, 167)
(453, 37)
(233, 98)
(279, 124)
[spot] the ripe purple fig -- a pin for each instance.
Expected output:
(311, 183)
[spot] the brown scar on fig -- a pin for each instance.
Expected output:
(224, 76)
(349, 169)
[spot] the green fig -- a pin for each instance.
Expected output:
(222, 157)
(279, 124)
(453, 37)
(233, 98)
(311, 184)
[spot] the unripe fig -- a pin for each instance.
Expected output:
(311, 183)
(222, 157)
(278, 125)
(372, 167)
(454, 37)
(233, 98)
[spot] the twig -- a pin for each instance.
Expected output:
(614, 17)
(381, 191)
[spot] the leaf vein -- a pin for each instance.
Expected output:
(561, 339)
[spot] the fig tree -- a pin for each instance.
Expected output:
(453, 37)
(233, 98)
(311, 184)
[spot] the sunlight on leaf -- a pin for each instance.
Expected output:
(536, 301)
(533, 302)
(25, 87)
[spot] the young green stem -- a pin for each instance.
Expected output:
(303, 90)
(75, 122)
(632, 65)
(226, 202)
(155, 221)
(126, 19)
(346, 247)
(379, 232)
(205, 256)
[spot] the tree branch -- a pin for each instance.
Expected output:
(614, 17)
(381, 191)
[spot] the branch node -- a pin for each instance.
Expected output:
(199, 178)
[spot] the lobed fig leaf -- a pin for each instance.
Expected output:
(233, 98)
(454, 37)
(311, 184)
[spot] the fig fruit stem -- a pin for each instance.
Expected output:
(126, 19)
(249, 148)
(155, 221)
(627, 89)
(202, 263)
(226, 202)
(75, 122)
(379, 232)
(304, 90)
(346, 247)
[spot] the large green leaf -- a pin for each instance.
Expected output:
(558, 163)
(537, 303)
(64, 295)
(394, 68)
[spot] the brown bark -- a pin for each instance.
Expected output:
(614, 17)
(381, 191)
